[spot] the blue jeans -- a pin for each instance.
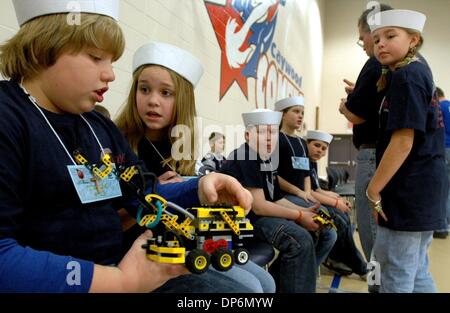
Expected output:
(324, 240)
(297, 260)
(209, 282)
(367, 229)
(447, 162)
(345, 250)
(251, 276)
(403, 259)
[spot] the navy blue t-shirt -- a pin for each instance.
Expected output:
(247, 167)
(39, 206)
(288, 147)
(315, 183)
(415, 198)
(151, 157)
(364, 102)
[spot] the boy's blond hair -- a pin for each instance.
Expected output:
(184, 113)
(39, 42)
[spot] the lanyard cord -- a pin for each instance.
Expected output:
(316, 177)
(292, 148)
(160, 155)
(33, 100)
(380, 111)
(271, 171)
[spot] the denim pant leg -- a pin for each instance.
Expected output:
(325, 239)
(365, 169)
(345, 249)
(265, 279)
(209, 282)
(424, 281)
(296, 253)
(447, 162)
(251, 276)
(403, 260)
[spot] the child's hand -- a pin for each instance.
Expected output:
(307, 221)
(220, 188)
(375, 202)
(169, 177)
(343, 205)
(314, 207)
(310, 198)
(139, 274)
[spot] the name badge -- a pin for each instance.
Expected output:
(300, 163)
(93, 189)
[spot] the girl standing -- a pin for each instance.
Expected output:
(409, 188)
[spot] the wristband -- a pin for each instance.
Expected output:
(299, 217)
(337, 202)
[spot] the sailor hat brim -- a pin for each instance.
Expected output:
(27, 10)
(397, 18)
(289, 102)
(318, 135)
(171, 57)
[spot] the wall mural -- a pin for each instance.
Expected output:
(245, 32)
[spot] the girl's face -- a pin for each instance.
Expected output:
(317, 149)
(392, 45)
(219, 145)
(293, 118)
(155, 97)
(76, 82)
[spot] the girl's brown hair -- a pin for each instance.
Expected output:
(184, 113)
(39, 42)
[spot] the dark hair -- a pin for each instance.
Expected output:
(362, 21)
(440, 92)
(215, 135)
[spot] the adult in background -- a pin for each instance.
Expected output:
(361, 108)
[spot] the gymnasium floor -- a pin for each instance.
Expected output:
(439, 264)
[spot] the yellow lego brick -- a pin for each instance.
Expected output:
(80, 159)
(163, 259)
(128, 173)
(147, 219)
(177, 258)
(106, 159)
(168, 250)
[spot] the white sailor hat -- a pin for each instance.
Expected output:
(318, 135)
(29, 9)
(172, 57)
(261, 117)
(397, 18)
(285, 103)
